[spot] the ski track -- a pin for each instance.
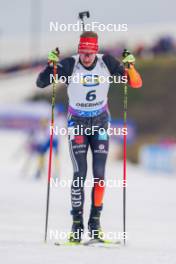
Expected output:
(151, 214)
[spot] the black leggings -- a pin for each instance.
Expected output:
(79, 144)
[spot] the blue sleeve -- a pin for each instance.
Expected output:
(114, 66)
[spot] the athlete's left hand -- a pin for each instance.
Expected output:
(128, 58)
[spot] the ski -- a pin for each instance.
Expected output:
(92, 243)
(68, 243)
(101, 243)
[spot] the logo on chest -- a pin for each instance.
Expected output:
(90, 80)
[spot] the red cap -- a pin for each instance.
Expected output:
(88, 45)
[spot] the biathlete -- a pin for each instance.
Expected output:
(87, 109)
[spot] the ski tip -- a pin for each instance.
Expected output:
(116, 242)
(67, 243)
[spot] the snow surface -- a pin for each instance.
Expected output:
(151, 214)
(151, 204)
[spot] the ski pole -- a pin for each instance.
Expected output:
(124, 161)
(51, 147)
(136, 83)
(125, 105)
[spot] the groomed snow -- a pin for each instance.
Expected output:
(151, 214)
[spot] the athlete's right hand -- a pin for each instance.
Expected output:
(53, 56)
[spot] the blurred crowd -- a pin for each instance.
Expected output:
(163, 46)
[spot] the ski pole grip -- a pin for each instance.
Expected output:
(125, 53)
(58, 51)
(55, 64)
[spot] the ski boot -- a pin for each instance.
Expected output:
(77, 228)
(94, 227)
